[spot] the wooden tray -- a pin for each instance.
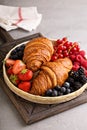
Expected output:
(32, 112)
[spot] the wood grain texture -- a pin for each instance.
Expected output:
(32, 112)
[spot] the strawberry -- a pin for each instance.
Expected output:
(25, 75)
(9, 62)
(18, 66)
(14, 79)
(9, 70)
(25, 86)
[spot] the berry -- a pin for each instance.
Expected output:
(82, 53)
(18, 66)
(9, 70)
(48, 92)
(83, 79)
(68, 90)
(14, 79)
(77, 85)
(25, 75)
(74, 74)
(17, 53)
(63, 90)
(25, 86)
(54, 93)
(66, 84)
(60, 93)
(71, 81)
(60, 56)
(75, 67)
(72, 57)
(81, 71)
(54, 57)
(58, 88)
(64, 39)
(9, 62)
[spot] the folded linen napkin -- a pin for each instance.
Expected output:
(26, 18)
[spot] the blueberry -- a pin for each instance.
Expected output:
(60, 93)
(63, 89)
(66, 84)
(49, 92)
(54, 93)
(68, 91)
(58, 88)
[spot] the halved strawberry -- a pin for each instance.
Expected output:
(25, 86)
(9, 62)
(18, 66)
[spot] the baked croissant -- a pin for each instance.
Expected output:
(37, 52)
(51, 74)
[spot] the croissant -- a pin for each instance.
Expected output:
(37, 52)
(51, 74)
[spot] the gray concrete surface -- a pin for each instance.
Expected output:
(60, 18)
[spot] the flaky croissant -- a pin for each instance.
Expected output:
(51, 74)
(37, 52)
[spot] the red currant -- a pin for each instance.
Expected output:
(59, 41)
(60, 56)
(64, 47)
(59, 51)
(60, 47)
(65, 53)
(54, 57)
(64, 38)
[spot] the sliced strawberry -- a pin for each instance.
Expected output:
(9, 62)
(25, 75)
(25, 86)
(18, 66)
(14, 79)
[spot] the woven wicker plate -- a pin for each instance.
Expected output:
(39, 99)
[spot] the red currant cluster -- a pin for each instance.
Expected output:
(64, 48)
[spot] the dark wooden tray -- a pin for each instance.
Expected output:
(31, 112)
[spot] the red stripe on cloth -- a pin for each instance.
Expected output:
(20, 16)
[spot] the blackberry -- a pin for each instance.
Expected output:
(83, 79)
(77, 85)
(75, 75)
(71, 73)
(17, 53)
(70, 80)
(81, 71)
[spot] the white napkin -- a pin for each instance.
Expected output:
(26, 18)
